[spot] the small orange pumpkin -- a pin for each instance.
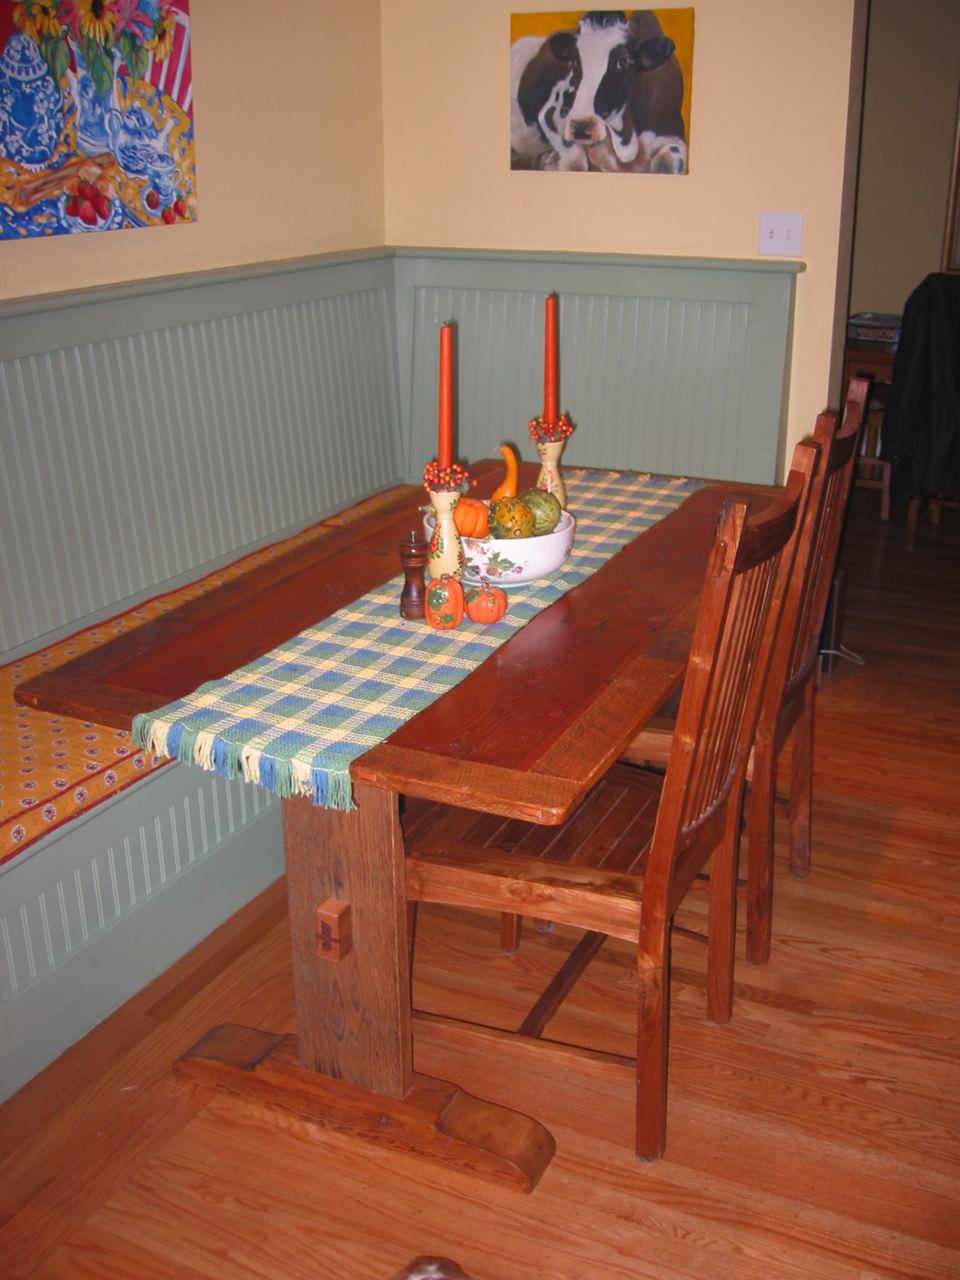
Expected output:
(508, 489)
(471, 518)
(486, 603)
(443, 603)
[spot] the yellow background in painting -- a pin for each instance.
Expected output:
(676, 23)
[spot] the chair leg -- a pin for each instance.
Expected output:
(760, 837)
(885, 492)
(722, 921)
(913, 513)
(800, 803)
(653, 1004)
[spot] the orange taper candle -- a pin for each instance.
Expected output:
(550, 359)
(445, 445)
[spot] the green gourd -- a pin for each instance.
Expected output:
(510, 518)
(545, 507)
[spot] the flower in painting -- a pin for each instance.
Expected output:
(133, 18)
(161, 42)
(37, 18)
(18, 833)
(69, 15)
(97, 20)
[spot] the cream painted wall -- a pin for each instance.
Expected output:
(913, 61)
(288, 121)
(768, 131)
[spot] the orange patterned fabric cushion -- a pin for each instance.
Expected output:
(53, 768)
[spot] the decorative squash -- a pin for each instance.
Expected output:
(471, 518)
(510, 518)
(545, 507)
(486, 603)
(443, 605)
(509, 487)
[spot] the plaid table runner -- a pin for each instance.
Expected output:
(295, 719)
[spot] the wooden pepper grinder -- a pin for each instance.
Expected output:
(413, 558)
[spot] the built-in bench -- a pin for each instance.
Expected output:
(151, 434)
(54, 768)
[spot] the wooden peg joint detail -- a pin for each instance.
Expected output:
(333, 929)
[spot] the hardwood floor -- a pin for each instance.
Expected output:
(815, 1136)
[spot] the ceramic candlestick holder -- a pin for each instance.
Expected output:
(445, 551)
(551, 477)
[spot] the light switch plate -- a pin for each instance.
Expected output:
(781, 233)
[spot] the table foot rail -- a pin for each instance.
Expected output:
(435, 1119)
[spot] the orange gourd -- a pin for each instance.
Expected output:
(486, 603)
(443, 603)
(471, 518)
(509, 487)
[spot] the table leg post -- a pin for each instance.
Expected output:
(353, 1003)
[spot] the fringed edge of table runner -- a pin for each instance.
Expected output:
(329, 788)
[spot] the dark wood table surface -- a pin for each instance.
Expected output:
(526, 735)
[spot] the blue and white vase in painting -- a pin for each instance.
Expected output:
(92, 110)
(31, 108)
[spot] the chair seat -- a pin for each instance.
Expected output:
(586, 871)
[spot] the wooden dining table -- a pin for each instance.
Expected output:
(525, 735)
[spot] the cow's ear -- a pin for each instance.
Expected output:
(644, 25)
(563, 46)
(653, 53)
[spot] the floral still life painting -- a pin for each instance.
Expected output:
(96, 116)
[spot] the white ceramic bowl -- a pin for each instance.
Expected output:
(508, 562)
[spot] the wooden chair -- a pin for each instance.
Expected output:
(873, 472)
(787, 711)
(623, 862)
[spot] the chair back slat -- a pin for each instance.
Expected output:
(743, 595)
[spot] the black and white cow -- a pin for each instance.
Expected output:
(605, 96)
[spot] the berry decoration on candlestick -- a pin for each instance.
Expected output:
(445, 485)
(541, 429)
(436, 476)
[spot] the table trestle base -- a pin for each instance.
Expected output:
(435, 1119)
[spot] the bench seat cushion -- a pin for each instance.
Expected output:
(54, 768)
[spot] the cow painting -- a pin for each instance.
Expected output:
(605, 96)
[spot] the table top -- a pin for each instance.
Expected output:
(526, 734)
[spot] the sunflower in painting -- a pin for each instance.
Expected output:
(161, 41)
(97, 20)
(37, 18)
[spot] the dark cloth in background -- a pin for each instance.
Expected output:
(921, 427)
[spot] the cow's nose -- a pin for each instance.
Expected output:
(582, 128)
